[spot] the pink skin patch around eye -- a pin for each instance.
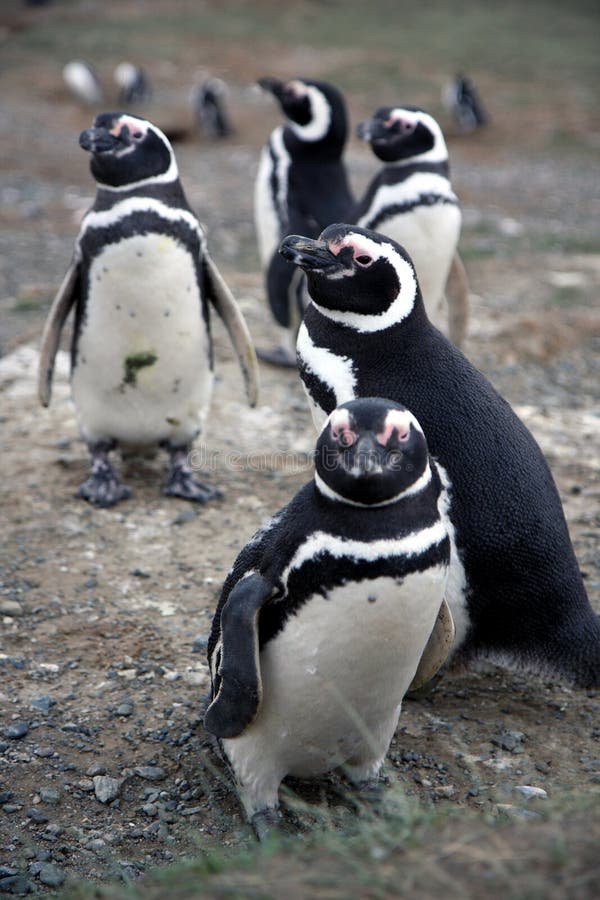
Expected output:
(394, 421)
(357, 251)
(340, 428)
(136, 128)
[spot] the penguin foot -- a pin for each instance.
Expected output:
(181, 483)
(278, 356)
(371, 794)
(103, 488)
(265, 823)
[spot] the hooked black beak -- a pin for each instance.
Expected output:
(99, 140)
(366, 458)
(307, 253)
(272, 85)
(371, 130)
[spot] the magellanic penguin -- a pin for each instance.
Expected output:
(462, 101)
(81, 78)
(141, 281)
(210, 108)
(411, 200)
(132, 82)
(323, 619)
(515, 589)
(301, 187)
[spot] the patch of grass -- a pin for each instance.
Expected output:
(411, 851)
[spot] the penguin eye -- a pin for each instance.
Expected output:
(363, 260)
(137, 135)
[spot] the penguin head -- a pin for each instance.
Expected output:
(315, 110)
(128, 151)
(403, 132)
(371, 452)
(356, 277)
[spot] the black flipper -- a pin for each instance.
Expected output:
(66, 296)
(238, 698)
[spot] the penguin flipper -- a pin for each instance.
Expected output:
(437, 648)
(229, 311)
(457, 294)
(240, 691)
(65, 297)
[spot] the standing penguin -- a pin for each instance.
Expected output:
(325, 615)
(412, 201)
(141, 280)
(301, 187)
(132, 82)
(210, 110)
(462, 101)
(81, 78)
(515, 589)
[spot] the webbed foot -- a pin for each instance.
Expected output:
(181, 482)
(265, 823)
(103, 488)
(278, 356)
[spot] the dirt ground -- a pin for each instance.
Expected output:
(105, 613)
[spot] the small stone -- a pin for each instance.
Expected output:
(96, 769)
(5, 796)
(185, 516)
(445, 791)
(10, 608)
(510, 741)
(150, 773)
(530, 792)
(50, 795)
(85, 784)
(200, 644)
(149, 809)
(96, 844)
(106, 788)
(15, 884)
(16, 731)
(44, 752)
(12, 807)
(51, 875)
(42, 703)
(139, 573)
(124, 709)
(36, 816)
(516, 812)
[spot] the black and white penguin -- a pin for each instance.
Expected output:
(301, 187)
(210, 109)
(132, 82)
(411, 200)
(82, 80)
(515, 589)
(141, 280)
(462, 101)
(324, 618)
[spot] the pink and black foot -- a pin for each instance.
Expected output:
(103, 487)
(181, 481)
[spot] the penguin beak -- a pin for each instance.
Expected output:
(272, 85)
(307, 253)
(371, 130)
(366, 460)
(363, 130)
(99, 140)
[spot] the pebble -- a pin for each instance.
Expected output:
(124, 709)
(11, 608)
(530, 792)
(150, 773)
(185, 516)
(51, 875)
(510, 741)
(36, 816)
(50, 795)
(44, 752)
(200, 644)
(16, 731)
(106, 788)
(96, 769)
(42, 703)
(516, 812)
(15, 884)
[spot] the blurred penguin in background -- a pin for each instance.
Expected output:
(462, 101)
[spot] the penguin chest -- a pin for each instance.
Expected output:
(334, 678)
(142, 371)
(270, 196)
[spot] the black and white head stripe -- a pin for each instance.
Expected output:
(128, 152)
(320, 112)
(404, 133)
(371, 452)
(356, 277)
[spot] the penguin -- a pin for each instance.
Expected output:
(141, 281)
(462, 101)
(325, 616)
(515, 589)
(301, 187)
(210, 109)
(132, 82)
(80, 77)
(411, 200)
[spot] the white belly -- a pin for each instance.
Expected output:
(333, 682)
(430, 234)
(269, 208)
(142, 373)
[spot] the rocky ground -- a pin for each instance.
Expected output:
(105, 769)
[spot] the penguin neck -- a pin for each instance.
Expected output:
(171, 193)
(404, 326)
(328, 148)
(403, 169)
